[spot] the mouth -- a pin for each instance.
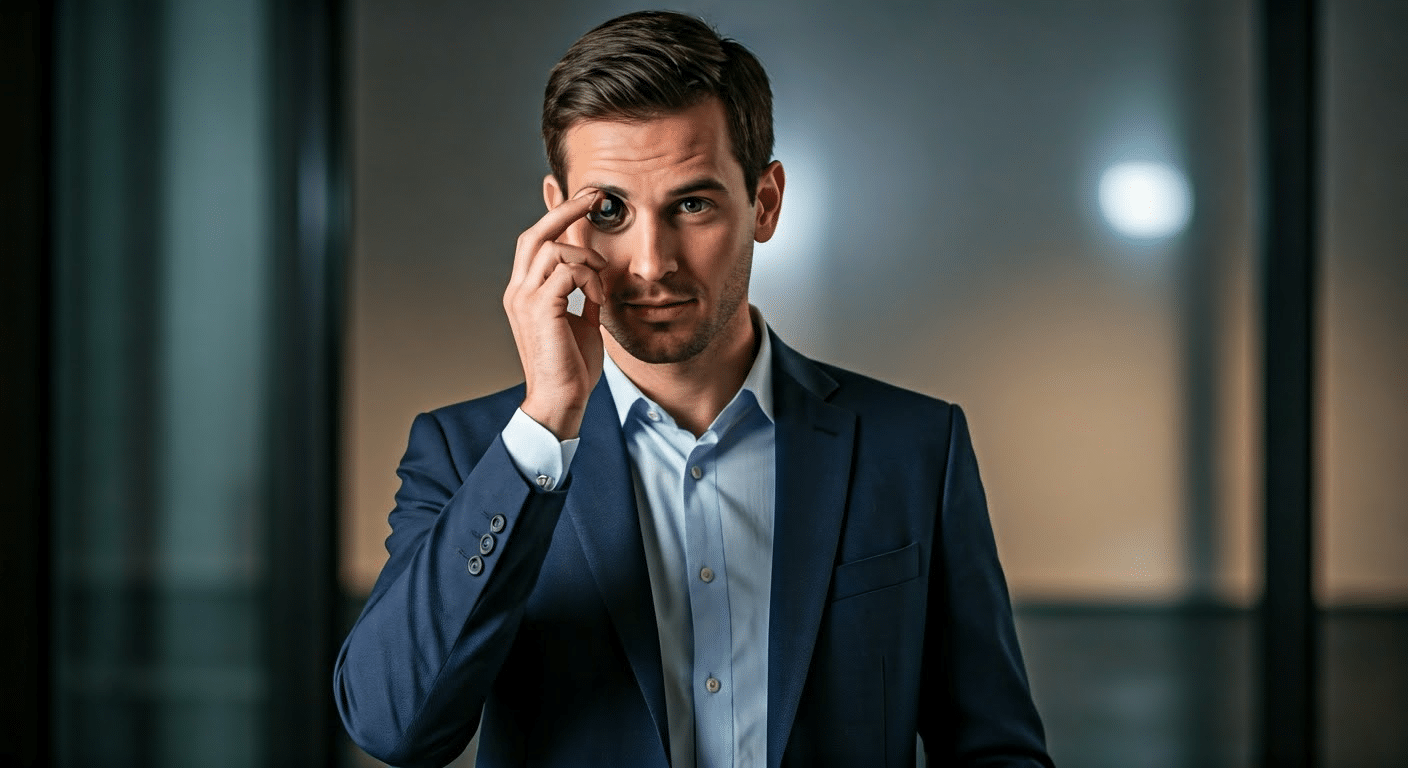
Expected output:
(657, 311)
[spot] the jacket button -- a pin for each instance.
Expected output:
(476, 565)
(486, 543)
(497, 523)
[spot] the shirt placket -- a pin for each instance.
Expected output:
(709, 609)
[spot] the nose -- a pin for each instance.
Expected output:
(654, 250)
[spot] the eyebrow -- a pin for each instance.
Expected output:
(688, 188)
(698, 185)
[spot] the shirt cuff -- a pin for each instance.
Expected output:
(536, 451)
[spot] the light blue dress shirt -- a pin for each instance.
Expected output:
(706, 517)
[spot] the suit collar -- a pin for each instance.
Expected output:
(802, 371)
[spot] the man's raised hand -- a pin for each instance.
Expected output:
(561, 353)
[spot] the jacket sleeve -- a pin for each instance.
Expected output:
(976, 707)
(465, 551)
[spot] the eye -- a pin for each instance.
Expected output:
(608, 214)
(694, 205)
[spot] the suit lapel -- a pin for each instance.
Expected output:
(602, 507)
(814, 445)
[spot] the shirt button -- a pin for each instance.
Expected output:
(486, 543)
(712, 685)
(544, 481)
(497, 523)
(476, 565)
(706, 574)
(652, 415)
(696, 473)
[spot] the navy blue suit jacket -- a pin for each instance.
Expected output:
(889, 615)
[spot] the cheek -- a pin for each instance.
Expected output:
(716, 252)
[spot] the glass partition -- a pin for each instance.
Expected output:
(193, 251)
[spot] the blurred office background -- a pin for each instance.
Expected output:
(255, 238)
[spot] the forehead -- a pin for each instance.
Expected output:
(691, 143)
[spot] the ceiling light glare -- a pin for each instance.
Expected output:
(1145, 201)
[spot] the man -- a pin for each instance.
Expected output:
(680, 542)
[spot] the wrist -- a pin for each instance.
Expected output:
(565, 423)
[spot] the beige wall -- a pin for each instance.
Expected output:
(946, 239)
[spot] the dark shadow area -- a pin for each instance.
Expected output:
(1174, 687)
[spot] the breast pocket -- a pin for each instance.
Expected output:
(877, 572)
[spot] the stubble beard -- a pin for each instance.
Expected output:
(656, 348)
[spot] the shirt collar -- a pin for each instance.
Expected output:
(758, 382)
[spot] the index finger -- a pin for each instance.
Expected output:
(551, 226)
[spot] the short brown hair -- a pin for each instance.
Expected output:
(650, 63)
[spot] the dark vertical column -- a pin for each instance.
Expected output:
(1212, 112)
(26, 34)
(1288, 653)
(303, 593)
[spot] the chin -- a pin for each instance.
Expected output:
(660, 349)
(656, 345)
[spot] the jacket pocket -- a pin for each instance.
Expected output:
(877, 572)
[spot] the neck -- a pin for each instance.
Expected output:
(696, 390)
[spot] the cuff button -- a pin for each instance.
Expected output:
(497, 523)
(476, 565)
(486, 543)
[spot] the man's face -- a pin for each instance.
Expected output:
(677, 228)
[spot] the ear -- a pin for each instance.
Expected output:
(552, 193)
(767, 201)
